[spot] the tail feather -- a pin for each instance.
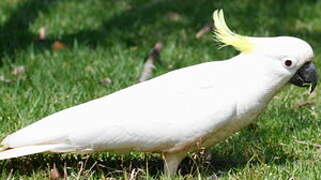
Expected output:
(27, 150)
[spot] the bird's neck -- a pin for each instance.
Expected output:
(258, 85)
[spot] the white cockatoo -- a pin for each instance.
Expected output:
(180, 111)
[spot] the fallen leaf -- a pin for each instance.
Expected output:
(308, 143)
(205, 29)
(134, 48)
(306, 103)
(153, 55)
(58, 45)
(18, 70)
(106, 81)
(174, 16)
(42, 33)
(158, 46)
(89, 68)
(3, 79)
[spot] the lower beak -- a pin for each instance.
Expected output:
(306, 76)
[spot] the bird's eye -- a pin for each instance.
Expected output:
(288, 63)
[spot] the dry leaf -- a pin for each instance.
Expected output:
(42, 33)
(308, 143)
(18, 70)
(147, 71)
(174, 16)
(149, 64)
(3, 79)
(134, 48)
(89, 68)
(158, 46)
(306, 103)
(54, 173)
(205, 29)
(58, 45)
(106, 81)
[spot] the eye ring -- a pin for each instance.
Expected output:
(288, 63)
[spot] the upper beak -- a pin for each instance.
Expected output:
(306, 76)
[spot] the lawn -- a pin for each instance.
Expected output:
(89, 41)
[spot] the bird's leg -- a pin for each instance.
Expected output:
(171, 162)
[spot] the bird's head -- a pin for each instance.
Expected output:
(291, 55)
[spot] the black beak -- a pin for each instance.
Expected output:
(306, 76)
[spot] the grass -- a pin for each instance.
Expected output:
(107, 39)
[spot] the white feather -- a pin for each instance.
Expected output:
(158, 115)
(177, 112)
(23, 151)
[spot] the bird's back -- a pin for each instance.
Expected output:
(151, 116)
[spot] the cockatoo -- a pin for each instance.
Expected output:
(178, 112)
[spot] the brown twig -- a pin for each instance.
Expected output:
(149, 64)
(308, 143)
(205, 29)
(306, 103)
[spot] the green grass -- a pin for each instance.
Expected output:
(103, 39)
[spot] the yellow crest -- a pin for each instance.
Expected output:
(227, 37)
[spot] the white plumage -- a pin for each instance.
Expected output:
(175, 113)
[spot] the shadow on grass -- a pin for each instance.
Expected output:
(15, 34)
(107, 164)
(253, 146)
(127, 26)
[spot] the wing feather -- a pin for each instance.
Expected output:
(150, 116)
